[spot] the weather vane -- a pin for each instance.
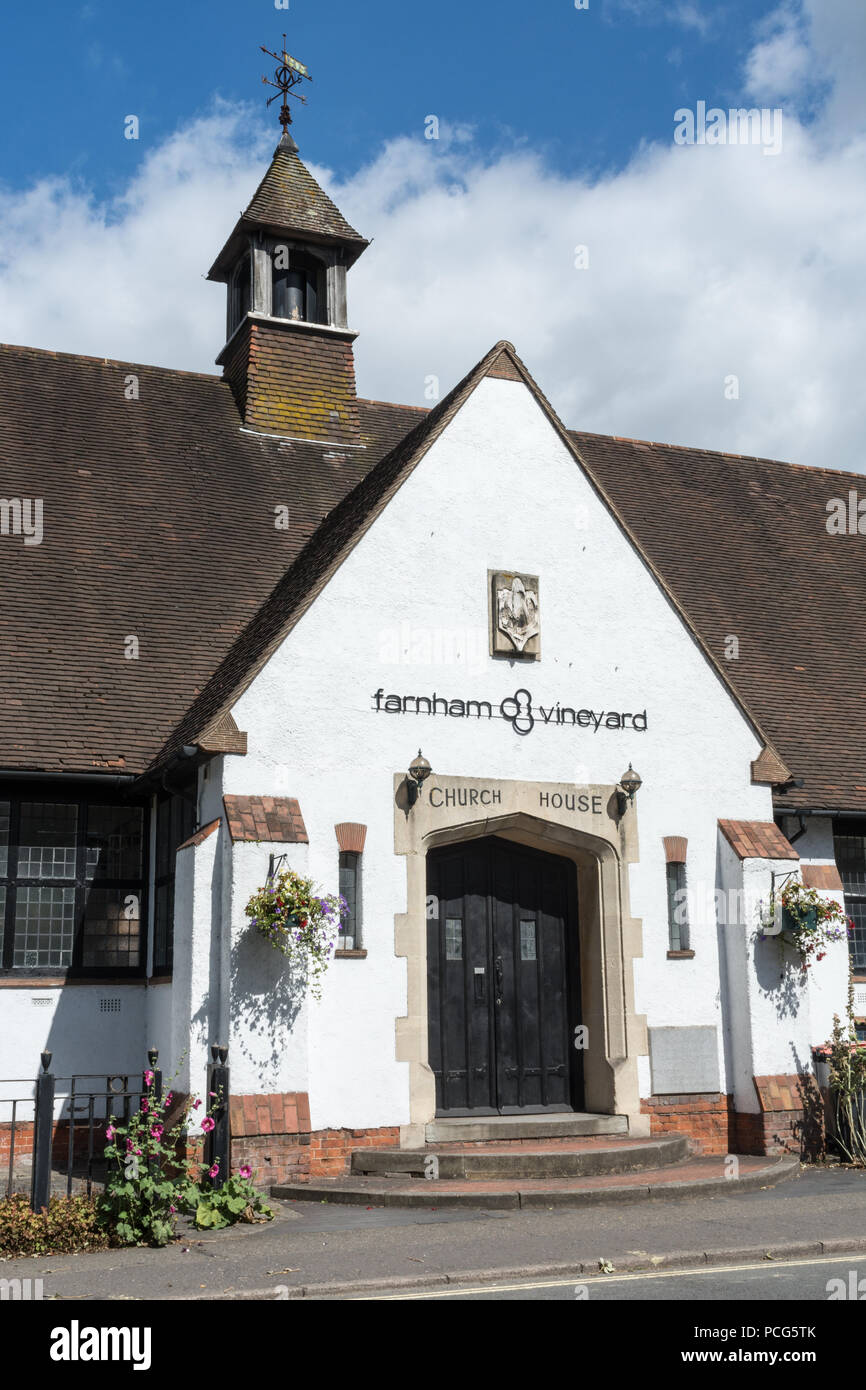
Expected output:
(287, 76)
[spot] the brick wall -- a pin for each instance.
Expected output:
(272, 1134)
(790, 1119)
(706, 1119)
(294, 382)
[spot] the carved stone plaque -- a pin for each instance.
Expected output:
(514, 614)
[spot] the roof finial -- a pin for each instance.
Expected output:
(287, 75)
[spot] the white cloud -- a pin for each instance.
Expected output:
(782, 63)
(703, 262)
(689, 14)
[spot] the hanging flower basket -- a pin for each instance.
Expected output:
(298, 922)
(809, 922)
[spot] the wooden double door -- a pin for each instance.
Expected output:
(503, 988)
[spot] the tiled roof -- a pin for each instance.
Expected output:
(825, 877)
(269, 818)
(743, 544)
(757, 839)
(289, 198)
(159, 524)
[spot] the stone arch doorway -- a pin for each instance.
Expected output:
(503, 979)
(600, 846)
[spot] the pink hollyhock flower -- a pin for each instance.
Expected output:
(196, 1104)
(168, 1098)
(145, 1107)
(156, 1131)
(110, 1131)
(129, 1146)
(172, 1209)
(207, 1124)
(212, 1172)
(245, 1170)
(148, 1078)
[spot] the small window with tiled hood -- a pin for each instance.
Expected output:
(351, 838)
(679, 943)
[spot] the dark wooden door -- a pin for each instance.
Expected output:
(502, 979)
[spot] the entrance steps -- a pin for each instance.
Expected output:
(685, 1177)
(547, 1125)
(532, 1158)
(506, 1162)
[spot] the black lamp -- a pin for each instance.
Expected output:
(419, 771)
(629, 783)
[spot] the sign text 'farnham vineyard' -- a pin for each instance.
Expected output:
(517, 709)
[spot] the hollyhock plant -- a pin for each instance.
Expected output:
(299, 922)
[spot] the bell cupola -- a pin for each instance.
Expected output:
(288, 353)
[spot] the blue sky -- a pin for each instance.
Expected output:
(583, 87)
(719, 295)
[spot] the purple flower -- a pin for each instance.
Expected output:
(207, 1124)
(245, 1170)
(212, 1172)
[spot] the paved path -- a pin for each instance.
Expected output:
(325, 1249)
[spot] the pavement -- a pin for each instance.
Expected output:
(322, 1250)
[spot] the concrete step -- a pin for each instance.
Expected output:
(549, 1125)
(560, 1158)
(695, 1177)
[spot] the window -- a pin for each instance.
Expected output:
(453, 938)
(175, 822)
(528, 949)
(296, 289)
(678, 917)
(71, 885)
(850, 844)
(350, 889)
(241, 292)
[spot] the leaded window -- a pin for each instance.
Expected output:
(175, 822)
(678, 918)
(850, 845)
(72, 882)
(350, 889)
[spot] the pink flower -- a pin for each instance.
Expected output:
(245, 1170)
(110, 1131)
(156, 1131)
(148, 1078)
(196, 1104)
(168, 1098)
(129, 1146)
(172, 1209)
(207, 1124)
(145, 1107)
(212, 1172)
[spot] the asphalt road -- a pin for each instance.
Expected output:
(764, 1282)
(321, 1250)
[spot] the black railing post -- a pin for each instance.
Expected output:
(155, 1088)
(43, 1133)
(218, 1144)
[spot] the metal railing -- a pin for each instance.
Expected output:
(68, 1117)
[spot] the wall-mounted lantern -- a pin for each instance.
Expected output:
(629, 783)
(419, 771)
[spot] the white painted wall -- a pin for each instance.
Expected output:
(498, 489)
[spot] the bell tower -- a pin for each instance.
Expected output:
(288, 352)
